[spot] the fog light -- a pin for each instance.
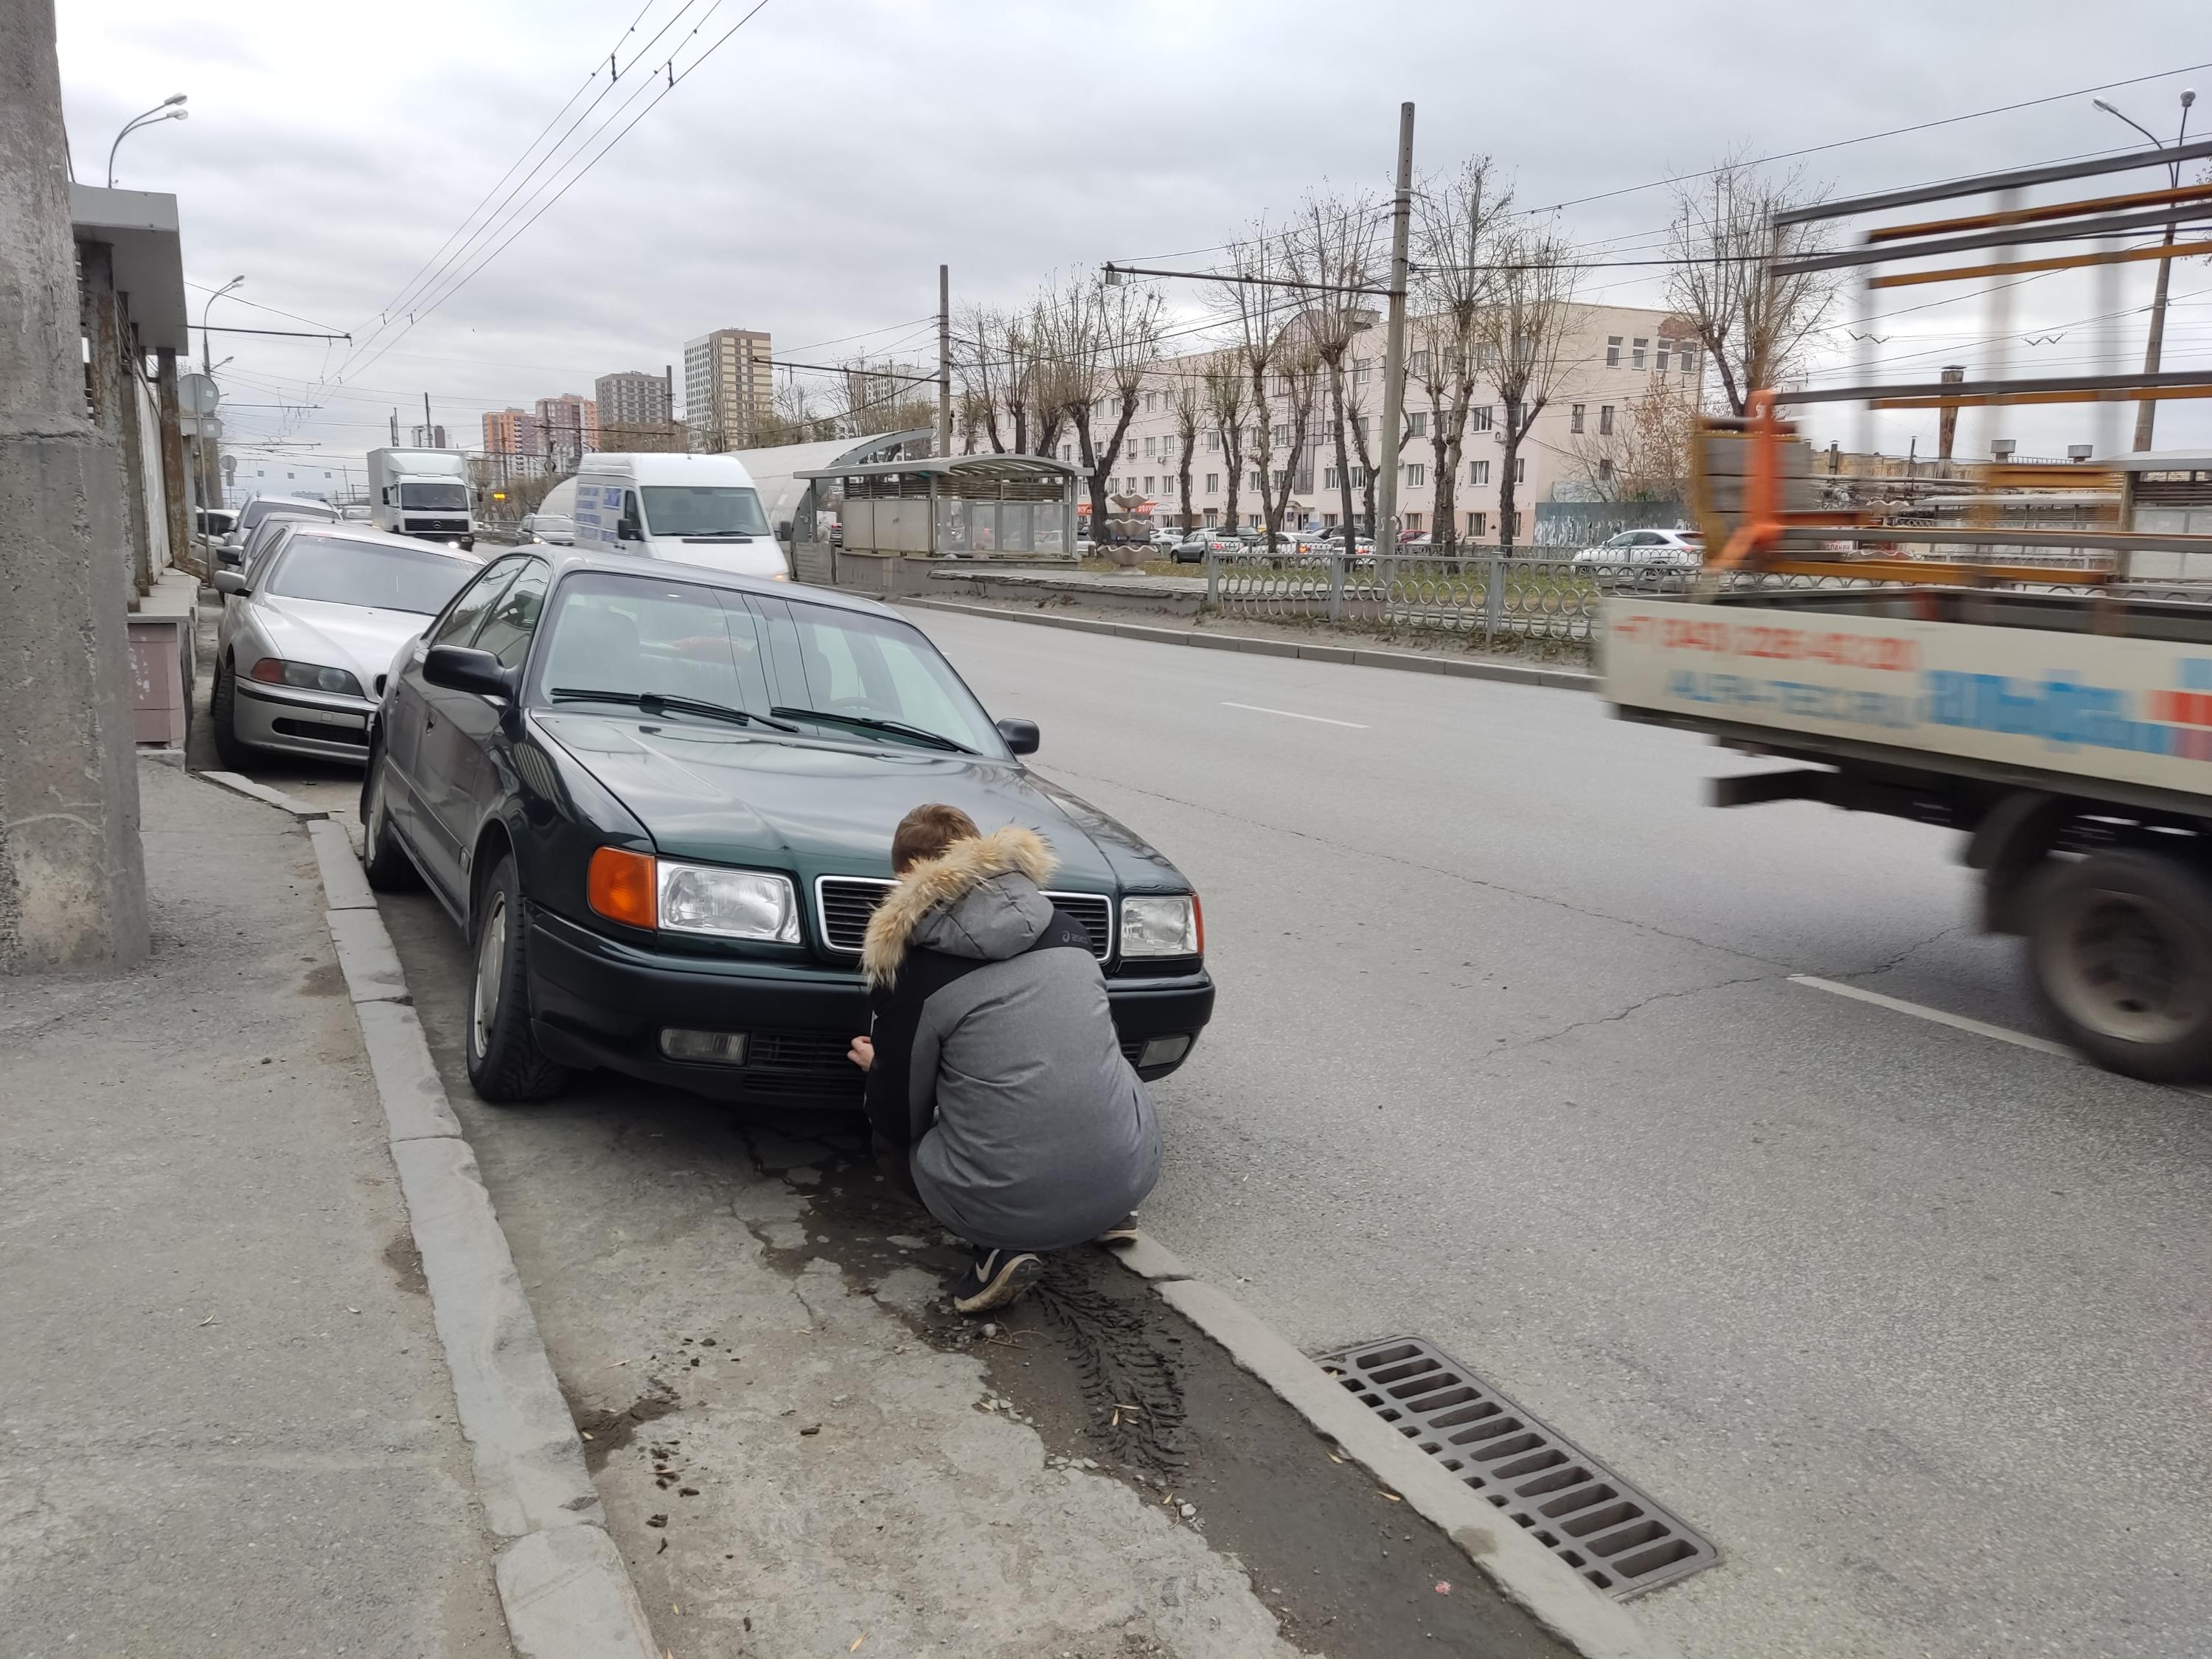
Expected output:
(710, 1048)
(1164, 1051)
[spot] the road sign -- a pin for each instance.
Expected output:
(197, 394)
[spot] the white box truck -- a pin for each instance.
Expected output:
(422, 492)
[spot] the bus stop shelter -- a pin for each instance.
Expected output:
(1000, 508)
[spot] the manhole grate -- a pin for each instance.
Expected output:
(1598, 1524)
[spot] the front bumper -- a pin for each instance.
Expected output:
(598, 1001)
(295, 723)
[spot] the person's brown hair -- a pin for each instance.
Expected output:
(925, 832)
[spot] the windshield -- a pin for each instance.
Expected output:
(362, 573)
(704, 510)
(635, 637)
(434, 497)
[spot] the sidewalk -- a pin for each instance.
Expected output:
(229, 1427)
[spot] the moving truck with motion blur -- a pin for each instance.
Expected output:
(422, 492)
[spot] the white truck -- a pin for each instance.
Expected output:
(422, 492)
(2069, 735)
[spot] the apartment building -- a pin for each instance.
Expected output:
(729, 387)
(633, 398)
(512, 432)
(569, 426)
(1612, 356)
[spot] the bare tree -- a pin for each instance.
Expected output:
(1093, 345)
(1337, 240)
(1228, 403)
(1459, 220)
(1274, 364)
(1753, 328)
(1645, 457)
(979, 371)
(1187, 403)
(1520, 340)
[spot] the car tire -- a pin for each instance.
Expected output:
(505, 1065)
(2119, 948)
(223, 717)
(383, 861)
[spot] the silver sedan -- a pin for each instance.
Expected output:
(307, 633)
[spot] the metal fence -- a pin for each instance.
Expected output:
(1488, 596)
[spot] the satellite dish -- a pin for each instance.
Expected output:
(197, 394)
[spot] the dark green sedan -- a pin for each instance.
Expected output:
(658, 800)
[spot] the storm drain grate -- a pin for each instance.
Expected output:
(1599, 1525)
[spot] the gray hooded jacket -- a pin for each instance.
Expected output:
(996, 1062)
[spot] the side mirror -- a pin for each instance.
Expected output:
(1021, 736)
(230, 555)
(630, 529)
(457, 668)
(230, 582)
(783, 530)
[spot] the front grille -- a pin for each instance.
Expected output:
(418, 526)
(842, 905)
(1615, 1537)
(319, 732)
(797, 1051)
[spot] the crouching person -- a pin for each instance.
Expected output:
(994, 1074)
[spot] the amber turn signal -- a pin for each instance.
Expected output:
(621, 885)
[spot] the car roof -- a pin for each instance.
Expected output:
(667, 468)
(307, 504)
(564, 560)
(352, 530)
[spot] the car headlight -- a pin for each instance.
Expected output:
(308, 677)
(1162, 924)
(700, 898)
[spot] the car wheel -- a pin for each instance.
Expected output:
(504, 1062)
(383, 859)
(223, 716)
(2120, 952)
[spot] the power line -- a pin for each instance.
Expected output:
(1871, 137)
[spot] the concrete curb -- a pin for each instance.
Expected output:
(562, 1585)
(262, 793)
(1563, 679)
(1525, 1572)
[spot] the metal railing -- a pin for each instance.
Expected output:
(1488, 595)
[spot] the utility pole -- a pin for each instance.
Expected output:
(945, 360)
(1393, 350)
(72, 873)
(428, 431)
(2147, 411)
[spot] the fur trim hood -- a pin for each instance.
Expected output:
(935, 884)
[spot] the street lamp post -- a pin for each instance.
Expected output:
(169, 109)
(208, 497)
(2147, 411)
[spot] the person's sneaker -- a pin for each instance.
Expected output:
(1125, 1233)
(993, 1278)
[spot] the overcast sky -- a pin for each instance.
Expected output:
(808, 176)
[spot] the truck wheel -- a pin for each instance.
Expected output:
(2120, 952)
(222, 718)
(504, 1063)
(383, 861)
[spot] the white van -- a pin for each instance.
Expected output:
(693, 509)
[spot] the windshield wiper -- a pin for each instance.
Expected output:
(715, 535)
(656, 702)
(869, 723)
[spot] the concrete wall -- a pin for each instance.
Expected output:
(72, 879)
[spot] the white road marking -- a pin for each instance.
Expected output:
(1319, 720)
(1956, 1021)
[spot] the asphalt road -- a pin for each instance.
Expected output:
(1508, 1055)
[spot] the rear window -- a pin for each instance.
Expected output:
(255, 512)
(337, 571)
